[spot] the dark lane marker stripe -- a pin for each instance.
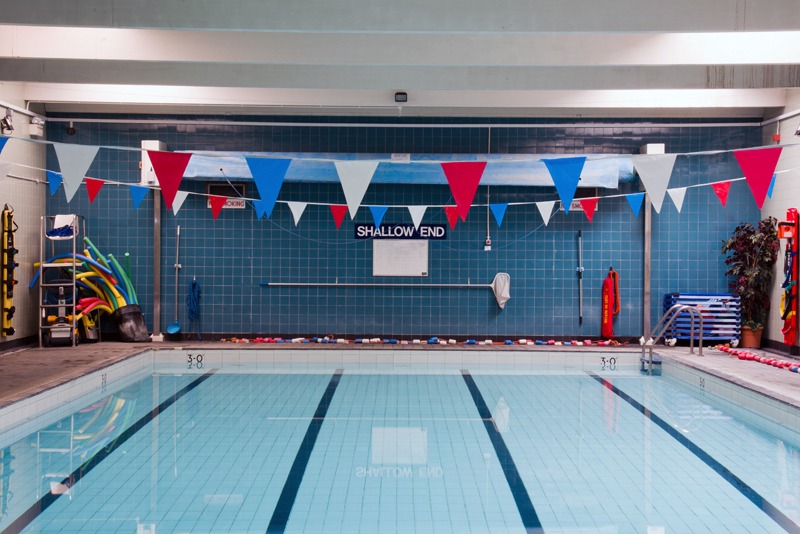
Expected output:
(42, 504)
(767, 507)
(285, 502)
(526, 510)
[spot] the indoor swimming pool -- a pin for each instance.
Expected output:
(256, 441)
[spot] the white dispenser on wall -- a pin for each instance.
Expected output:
(148, 175)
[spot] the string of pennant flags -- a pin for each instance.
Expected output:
(463, 177)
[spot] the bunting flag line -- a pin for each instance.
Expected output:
(452, 215)
(355, 177)
(635, 200)
(655, 171)
(93, 186)
(217, 202)
(54, 181)
(297, 209)
(464, 178)
(417, 212)
(499, 211)
(177, 202)
(566, 173)
(137, 195)
(261, 208)
(758, 167)
(169, 168)
(589, 205)
(722, 189)
(546, 210)
(377, 214)
(74, 161)
(3, 141)
(677, 195)
(268, 174)
(338, 211)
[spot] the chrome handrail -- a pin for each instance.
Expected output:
(666, 320)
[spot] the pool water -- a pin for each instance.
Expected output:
(400, 448)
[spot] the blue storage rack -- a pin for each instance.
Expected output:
(721, 313)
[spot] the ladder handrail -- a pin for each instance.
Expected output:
(666, 320)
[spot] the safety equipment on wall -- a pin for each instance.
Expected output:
(610, 303)
(788, 230)
(9, 264)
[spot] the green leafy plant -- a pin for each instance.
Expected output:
(751, 256)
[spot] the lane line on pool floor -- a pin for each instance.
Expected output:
(745, 489)
(49, 498)
(527, 512)
(280, 517)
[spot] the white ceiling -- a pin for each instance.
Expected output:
(643, 58)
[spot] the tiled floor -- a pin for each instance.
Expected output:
(25, 372)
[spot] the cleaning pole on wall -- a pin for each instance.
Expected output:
(175, 327)
(580, 278)
(788, 230)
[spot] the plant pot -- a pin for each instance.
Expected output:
(751, 339)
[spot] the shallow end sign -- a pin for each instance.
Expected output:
(401, 231)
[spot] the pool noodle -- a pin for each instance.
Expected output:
(102, 259)
(132, 299)
(57, 257)
(110, 298)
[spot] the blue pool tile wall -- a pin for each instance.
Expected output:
(235, 255)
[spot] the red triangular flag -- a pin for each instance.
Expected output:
(338, 211)
(452, 215)
(464, 177)
(758, 167)
(169, 168)
(93, 186)
(216, 204)
(721, 189)
(589, 205)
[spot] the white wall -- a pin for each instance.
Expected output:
(786, 195)
(24, 189)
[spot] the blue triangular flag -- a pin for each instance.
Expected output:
(635, 200)
(499, 211)
(3, 141)
(261, 208)
(54, 180)
(566, 173)
(771, 185)
(377, 214)
(268, 174)
(137, 194)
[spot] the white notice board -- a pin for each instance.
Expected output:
(399, 257)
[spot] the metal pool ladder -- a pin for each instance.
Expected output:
(664, 323)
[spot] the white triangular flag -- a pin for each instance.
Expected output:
(677, 195)
(654, 171)
(417, 212)
(177, 202)
(546, 209)
(297, 210)
(355, 177)
(74, 161)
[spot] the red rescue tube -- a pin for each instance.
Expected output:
(610, 304)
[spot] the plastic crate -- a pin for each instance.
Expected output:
(721, 314)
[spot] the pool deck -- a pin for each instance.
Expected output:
(27, 371)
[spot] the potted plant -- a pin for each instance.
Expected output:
(751, 256)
